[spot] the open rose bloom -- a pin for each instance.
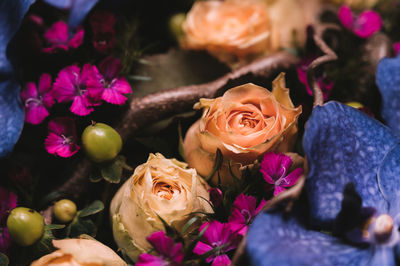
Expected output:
(163, 187)
(242, 29)
(244, 123)
(80, 252)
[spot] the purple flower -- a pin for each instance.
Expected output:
(108, 85)
(103, 23)
(324, 83)
(72, 85)
(243, 212)
(169, 252)
(275, 167)
(62, 138)
(217, 235)
(58, 39)
(8, 201)
(365, 25)
(37, 100)
(216, 196)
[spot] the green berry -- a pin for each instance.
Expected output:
(101, 142)
(64, 210)
(25, 226)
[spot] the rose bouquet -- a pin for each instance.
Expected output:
(252, 132)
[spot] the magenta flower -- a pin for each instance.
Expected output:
(107, 84)
(243, 212)
(8, 201)
(169, 252)
(396, 48)
(37, 100)
(103, 23)
(275, 167)
(364, 26)
(62, 137)
(57, 37)
(72, 85)
(217, 235)
(324, 83)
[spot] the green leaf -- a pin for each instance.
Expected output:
(95, 176)
(95, 207)
(54, 226)
(4, 259)
(170, 231)
(112, 171)
(217, 164)
(80, 226)
(181, 148)
(189, 223)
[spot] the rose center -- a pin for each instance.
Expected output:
(165, 190)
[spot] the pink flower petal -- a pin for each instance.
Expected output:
(292, 178)
(110, 67)
(61, 140)
(278, 190)
(112, 96)
(216, 196)
(77, 39)
(44, 83)
(57, 33)
(81, 106)
(160, 242)
(346, 16)
(64, 88)
(396, 48)
(29, 91)
(261, 206)
(35, 113)
(367, 24)
(202, 248)
(149, 260)
(221, 260)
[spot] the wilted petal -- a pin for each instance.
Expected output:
(343, 145)
(388, 81)
(274, 240)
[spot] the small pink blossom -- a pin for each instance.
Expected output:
(57, 37)
(107, 84)
(62, 137)
(103, 23)
(364, 25)
(396, 48)
(72, 85)
(324, 83)
(217, 235)
(275, 167)
(37, 100)
(243, 212)
(216, 196)
(170, 253)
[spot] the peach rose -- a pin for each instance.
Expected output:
(244, 123)
(240, 28)
(80, 252)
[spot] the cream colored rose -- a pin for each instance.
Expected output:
(164, 187)
(80, 252)
(240, 28)
(244, 123)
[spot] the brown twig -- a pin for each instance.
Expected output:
(328, 56)
(157, 106)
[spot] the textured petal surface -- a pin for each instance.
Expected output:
(388, 81)
(343, 145)
(11, 111)
(272, 240)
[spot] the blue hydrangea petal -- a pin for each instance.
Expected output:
(272, 240)
(389, 180)
(61, 4)
(11, 112)
(79, 10)
(343, 145)
(388, 81)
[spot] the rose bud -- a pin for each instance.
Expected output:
(160, 187)
(243, 124)
(80, 252)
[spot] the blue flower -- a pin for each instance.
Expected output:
(343, 146)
